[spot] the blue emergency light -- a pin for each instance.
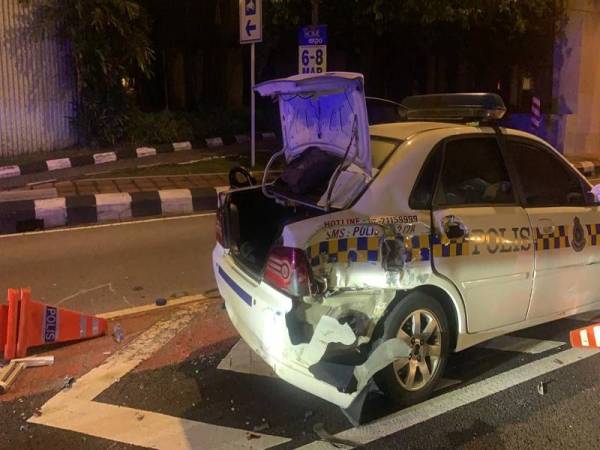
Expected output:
(463, 107)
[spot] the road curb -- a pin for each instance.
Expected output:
(31, 215)
(125, 153)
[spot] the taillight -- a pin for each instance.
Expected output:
(287, 269)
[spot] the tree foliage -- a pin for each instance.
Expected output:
(110, 44)
(494, 34)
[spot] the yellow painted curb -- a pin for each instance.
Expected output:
(181, 301)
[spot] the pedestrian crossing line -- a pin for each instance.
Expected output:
(521, 344)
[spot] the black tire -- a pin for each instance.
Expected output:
(386, 379)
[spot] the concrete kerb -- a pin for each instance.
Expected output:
(31, 215)
(124, 153)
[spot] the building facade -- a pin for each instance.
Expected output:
(37, 88)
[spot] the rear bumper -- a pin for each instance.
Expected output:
(258, 313)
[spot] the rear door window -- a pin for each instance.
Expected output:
(474, 173)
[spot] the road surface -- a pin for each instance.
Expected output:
(104, 268)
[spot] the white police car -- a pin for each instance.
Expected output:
(380, 250)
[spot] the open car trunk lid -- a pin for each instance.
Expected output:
(323, 111)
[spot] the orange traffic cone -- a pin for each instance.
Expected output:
(41, 324)
(587, 337)
(3, 325)
(12, 315)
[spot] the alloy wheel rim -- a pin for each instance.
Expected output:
(421, 332)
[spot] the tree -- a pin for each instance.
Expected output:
(110, 47)
(392, 39)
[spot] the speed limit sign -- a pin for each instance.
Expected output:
(312, 49)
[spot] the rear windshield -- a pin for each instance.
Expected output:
(381, 149)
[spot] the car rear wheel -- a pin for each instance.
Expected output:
(421, 323)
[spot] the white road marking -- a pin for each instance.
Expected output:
(521, 344)
(106, 225)
(75, 410)
(422, 412)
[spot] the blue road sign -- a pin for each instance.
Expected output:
(313, 35)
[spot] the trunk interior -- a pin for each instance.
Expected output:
(254, 224)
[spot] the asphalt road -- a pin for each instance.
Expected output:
(104, 268)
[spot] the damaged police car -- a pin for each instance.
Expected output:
(379, 250)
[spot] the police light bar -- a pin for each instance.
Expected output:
(454, 107)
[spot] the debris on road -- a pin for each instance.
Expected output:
(10, 372)
(251, 436)
(8, 375)
(262, 427)
(118, 334)
(320, 431)
(139, 416)
(68, 382)
(161, 301)
(542, 387)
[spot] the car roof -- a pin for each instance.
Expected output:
(404, 130)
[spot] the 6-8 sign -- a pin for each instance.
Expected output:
(312, 49)
(312, 59)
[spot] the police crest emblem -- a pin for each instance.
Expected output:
(578, 242)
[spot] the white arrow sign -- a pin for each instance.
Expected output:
(250, 21)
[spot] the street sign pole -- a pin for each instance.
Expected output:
(250, 33)
(252, 109)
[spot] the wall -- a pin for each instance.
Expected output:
(576, 80)
(36, 86)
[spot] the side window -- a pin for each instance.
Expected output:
(474, 173)
(545, 179)
(422, 193)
